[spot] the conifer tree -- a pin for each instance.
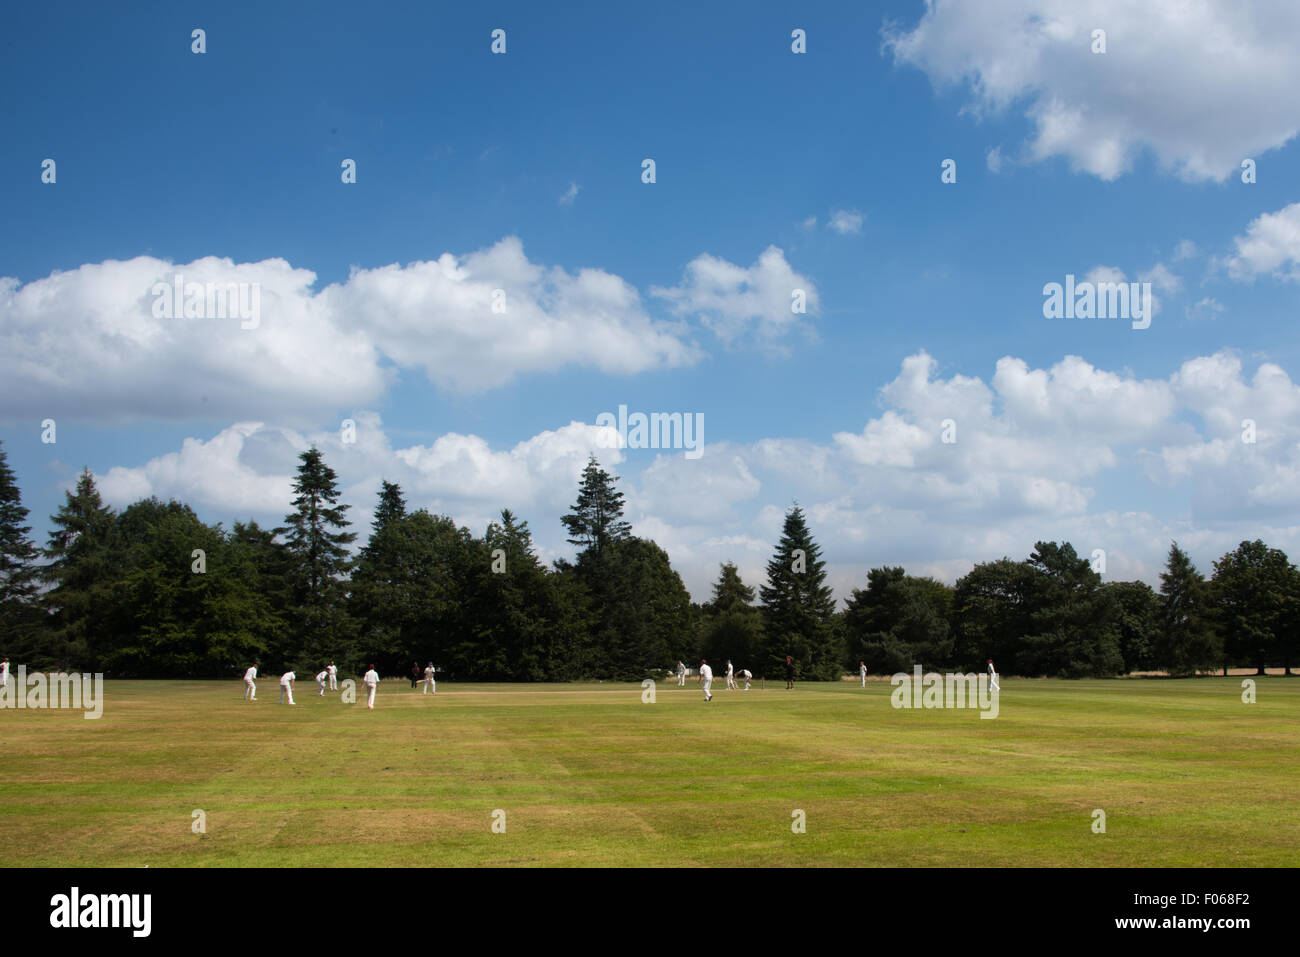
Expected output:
(315, 537)
(595, 520)
(21, 620)
(84, 558)
(1186, 640)
(798, 606)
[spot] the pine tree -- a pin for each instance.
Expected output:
(1074, 622)
(517, 605)
(798, 606)
(314, 535)
(22, 623)
(595, 521)
(18, 571)
(84, 562)
(391, 507)
(1186, 640)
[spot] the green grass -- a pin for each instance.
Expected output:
(587, 774)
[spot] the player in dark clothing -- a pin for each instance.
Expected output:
(789, 673)
(417, 675)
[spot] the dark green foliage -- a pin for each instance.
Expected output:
(731, 625)
(83, 568)
(641, 611)
(176, 613)
(596, 519)
(798, 608)
(899, 621)
(315, 539)
(1186, 640)
(1138, 623)
(1257, 601)
(22, 620)
(1073, 621)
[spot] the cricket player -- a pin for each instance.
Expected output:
(286, 686)
(789, 673)
(746, 677)
(706, 679)
(250, 689)
(430, 683)
(371, 681)
(993, 677)
(321, 679)
(731, 677)
(334, 677)
(4, 673)
(681, 675)
(862, 670)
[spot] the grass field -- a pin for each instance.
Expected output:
(587, 774)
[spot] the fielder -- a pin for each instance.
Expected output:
(746, 677)
(4, 673)
(430, 683)
(250, 689)
(789, 673)
(334, 677)
(706, 679)
(320, 680)
(731, 677)
(286, 686)
(371, 681)
(862, 670)
(681, 675)
(993, 677)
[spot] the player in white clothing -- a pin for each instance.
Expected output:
(430, 682)
(4, 673)
(993, 677)
(862, 670)
(334, 677)
(681, 675)
(745, 676)
(371, 681)
(731, 677)
(706, 679)
(286, 686)
(250, 689)
(320, 680)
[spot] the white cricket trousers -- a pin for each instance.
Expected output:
(334, 683)
(286, 690)
(322, 688)
(370, 697)
(708, 684)
(250, 690)
(430, 686)
(864, 681)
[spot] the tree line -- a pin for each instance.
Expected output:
(152, 591)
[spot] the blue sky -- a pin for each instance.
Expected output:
(524, 171)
